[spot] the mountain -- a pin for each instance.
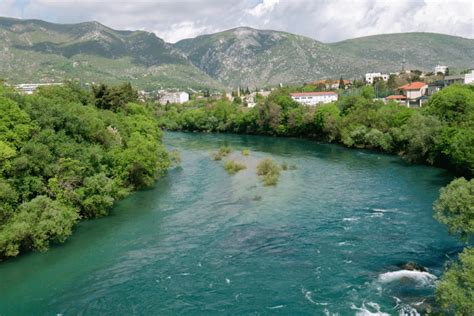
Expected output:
(34, 50)
(245, 56)
(421, 51)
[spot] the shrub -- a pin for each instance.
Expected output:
(223, 152)
(245, 152)
(232, 167)
(269, 171)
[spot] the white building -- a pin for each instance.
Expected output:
(174, 97)
(440, 68)
(314, 98)
(372, 76)
(29, 88)
(467, 78)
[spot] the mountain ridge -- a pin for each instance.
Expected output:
(36, 50)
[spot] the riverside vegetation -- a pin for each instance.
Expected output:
(439, 134)
(66, 155)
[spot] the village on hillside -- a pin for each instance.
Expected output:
(410, 88)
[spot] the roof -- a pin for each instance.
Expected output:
(312, 94)
(396, 97)
(413, 86)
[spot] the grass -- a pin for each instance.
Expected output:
(269, 171)
(223, 152)
(245, 152)
(232, 167)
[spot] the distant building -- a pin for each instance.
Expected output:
(462, 79)
(469, 77)
(399, 98)
(174, 97)
(372, 76)
(314, 98)
(29, 88)
(440, 69)
(415, 93)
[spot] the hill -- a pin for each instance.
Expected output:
(253, 57)
(35, 50)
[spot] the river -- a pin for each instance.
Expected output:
(329, 238)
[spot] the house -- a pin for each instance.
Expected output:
(467, 78)
(440, 69)
(371, 77)
(174, 97)
(414, 93)
(314, 98)
(399, 98)
(29, 88)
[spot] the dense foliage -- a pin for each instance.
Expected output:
(455, 292)
(455, 207)
(67, 155)
(441, 133)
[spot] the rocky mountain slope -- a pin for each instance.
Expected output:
(33, 50)
(254, 57)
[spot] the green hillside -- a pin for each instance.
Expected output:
(38, 51)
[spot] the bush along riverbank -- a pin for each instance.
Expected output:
(66, 155)
(440, 134)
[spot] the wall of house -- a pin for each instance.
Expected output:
(469, 78)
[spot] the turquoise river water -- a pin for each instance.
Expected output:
(329, 239)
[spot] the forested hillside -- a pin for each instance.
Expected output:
(67, 155)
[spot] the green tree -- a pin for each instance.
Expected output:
(455, 291)
(342, 86)
(455, 207)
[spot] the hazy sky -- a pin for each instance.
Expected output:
(324, 20)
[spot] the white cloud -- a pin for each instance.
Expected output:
(264, 7)
(325, 20)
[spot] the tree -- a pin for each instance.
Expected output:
(368, 92)
(115, 97)
(455, 207)
(36, 224)
(455, 291)
(342, 86)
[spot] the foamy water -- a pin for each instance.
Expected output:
(420, 277)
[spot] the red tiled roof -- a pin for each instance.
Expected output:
(311, 94)
(413, 86)
(396, 97)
